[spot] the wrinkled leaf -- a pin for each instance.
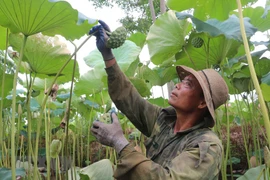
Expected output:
(34, 105)
(100, 170)
(242, 84)
(253, 173)
(159, 102)
(214, 51)
(6, 174)
(138, 38)
(49, 17)
(100, 98)
(167, 74)
(265, 91)
(266, 9)
(45, 55)
(95, 79)
(256, 18)
(166, 37)
(149, 75)
(124, 55)
(207, 9)
(266, 79)
(7, 83)
(141, 86)
(3, 35)
(213, 27)
(90, 82)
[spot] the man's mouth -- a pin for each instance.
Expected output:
(173, 94)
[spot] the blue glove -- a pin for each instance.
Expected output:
(101, 38)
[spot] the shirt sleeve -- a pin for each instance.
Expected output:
(196, 163)
(127, 99)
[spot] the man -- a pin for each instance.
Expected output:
(180, 143)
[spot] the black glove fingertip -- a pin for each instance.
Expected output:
(112, 111)
(104, 25)
(95, 30)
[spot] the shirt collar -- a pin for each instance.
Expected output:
(171, 118)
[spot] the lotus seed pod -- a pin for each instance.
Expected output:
(197, 42)
(105, 118)
(55, 148)
(20, 109)
(117, 38)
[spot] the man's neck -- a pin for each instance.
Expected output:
(184, 122)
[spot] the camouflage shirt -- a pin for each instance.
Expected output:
(194, 154)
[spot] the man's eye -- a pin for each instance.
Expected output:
(186, 83)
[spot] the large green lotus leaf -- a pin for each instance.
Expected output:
(242, 84)
(49, 17)
(34, 105)
(207, 9)
(41, 83)
(6, 174)
(265, 86)
(229, 84)
(265, 91)
(90, 82)
(255, 173)
(125, 55)
(167, 75)
(130, 72)
(166, 37)
(266, 9)
(141, 86)
(266, 79)
(213, 27)
(45, 55)
(144, 72)
(256, 18)
(241, 77)
(7, 83)
(159, 102)
(240, 58)
(213, 51)
(261, 65)
(3, 36)
(138, 38)
(100, 98)
(7, 103)
(102, 169)
(160, 75)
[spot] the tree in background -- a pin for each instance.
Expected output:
(140, 14)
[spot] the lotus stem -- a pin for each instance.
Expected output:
(253, 73)
(13, 157)
(2, 98)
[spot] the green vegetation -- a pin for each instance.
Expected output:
(47, 106)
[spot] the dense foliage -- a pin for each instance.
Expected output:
(45, 98)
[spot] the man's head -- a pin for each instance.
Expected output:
(213, 86)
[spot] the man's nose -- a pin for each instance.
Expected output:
(177, 86)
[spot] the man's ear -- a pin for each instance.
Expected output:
(202, 104)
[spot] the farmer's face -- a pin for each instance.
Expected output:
(187, 95)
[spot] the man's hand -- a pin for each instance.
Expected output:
(110, 134)
(101, 38)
